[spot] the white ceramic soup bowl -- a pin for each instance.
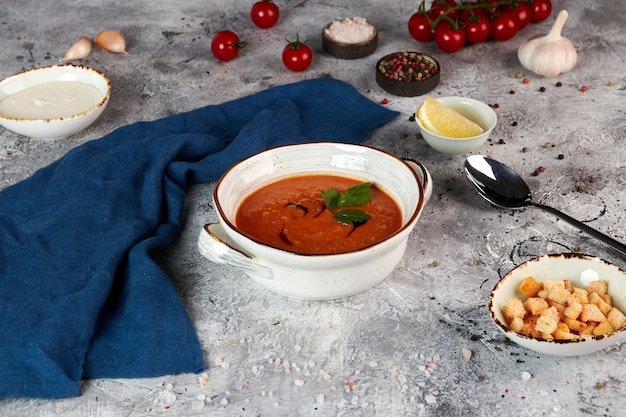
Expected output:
(475, 110)
(315, 277)
(577, 268)
(81, 102)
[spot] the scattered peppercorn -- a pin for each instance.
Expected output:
(541, 168)
(547, 145)
(525, 149)
(579, 247)
(525, 81)
(520, 75)
(501, 141)
(535, 173)
(412, 118)
(561, 156)
(558, 83)
(581, 186)
(513, 124)
(542, 89)
(610, 83)
(473, 262)
(599, 385)
(583, 88)
(435, 264)
(512, 92)
(402, 135)
(384, 101)
(494, 105)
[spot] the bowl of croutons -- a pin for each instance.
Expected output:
(563, 304)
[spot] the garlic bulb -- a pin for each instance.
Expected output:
(79, 50)
(549, 55)
(111, 41)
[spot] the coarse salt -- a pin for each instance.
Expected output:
(350, 31)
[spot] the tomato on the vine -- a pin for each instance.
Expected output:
(297, 56)
(504, 27)
(478, 29)
(441, 6)
(540, 10)
(448, 38)
(522, 12)
(226, 45)
(420, 28)
(264, 14)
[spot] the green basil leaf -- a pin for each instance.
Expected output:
(331, 198)
(351, 216)
(356, 195)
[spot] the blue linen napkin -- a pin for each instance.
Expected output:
(80, 296)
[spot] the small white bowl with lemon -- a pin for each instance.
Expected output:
(455, 125)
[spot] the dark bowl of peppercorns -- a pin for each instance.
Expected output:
(407, 74)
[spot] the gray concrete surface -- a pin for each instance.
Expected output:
(397, 350)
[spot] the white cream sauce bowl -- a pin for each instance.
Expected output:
(315, 277)
(53, 102)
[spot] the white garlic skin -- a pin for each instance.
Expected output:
(79, 50)
(551, 54)
(111, 41)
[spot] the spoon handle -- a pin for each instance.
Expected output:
(582, 226)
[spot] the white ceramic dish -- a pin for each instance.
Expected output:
(60, 125)
(560, 266)
(315, 277)
(474, 110)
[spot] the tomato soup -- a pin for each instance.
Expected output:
(291, 214)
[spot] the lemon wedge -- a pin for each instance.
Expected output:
(444, 121)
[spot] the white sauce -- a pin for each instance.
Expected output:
(51, 100)
(350, 31)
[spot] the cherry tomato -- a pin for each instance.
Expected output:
(420, 29)
(541, 10)
(297, 56)
(449, 39)
(441, 6)
(522, 12)
(468, 14)
(226, 45)
(504, 27)
(264, 14)
(478, 29)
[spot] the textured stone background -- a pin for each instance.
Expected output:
(401, 344)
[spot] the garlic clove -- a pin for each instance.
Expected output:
(111, 41)
(79, 50)
(550, 54)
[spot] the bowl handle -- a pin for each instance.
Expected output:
(215, 245)
(424, 176)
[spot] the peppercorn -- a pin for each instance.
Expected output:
(542, 89)
(525, 149)
(513, 124)
(558, 83)
(512, 92)
(412, 118)
(501, 142)
(561, 156)
(581, 186)
(583, 88)
(541, 168)
(384, 101)
(547, 145)
(535, 173)
(402, 135)
(525, 81)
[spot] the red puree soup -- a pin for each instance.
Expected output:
(290, 214)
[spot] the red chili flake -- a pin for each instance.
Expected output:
(541, 168)
(583, 88)
(523, 397)
(506, 390)
(351, 383)
(525, 81)
(384, 101)
(495, 105)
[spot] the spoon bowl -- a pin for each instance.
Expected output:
(505, 188)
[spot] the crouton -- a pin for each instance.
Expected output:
(596, 299)
(529, 287)
(616, 318)
(599, 287)
(514, 308)
(591, 312)
(575, 325)
(535, 305)
(603, 328)
(573, 310)
(546, 324)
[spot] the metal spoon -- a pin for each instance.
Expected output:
(503, 187)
